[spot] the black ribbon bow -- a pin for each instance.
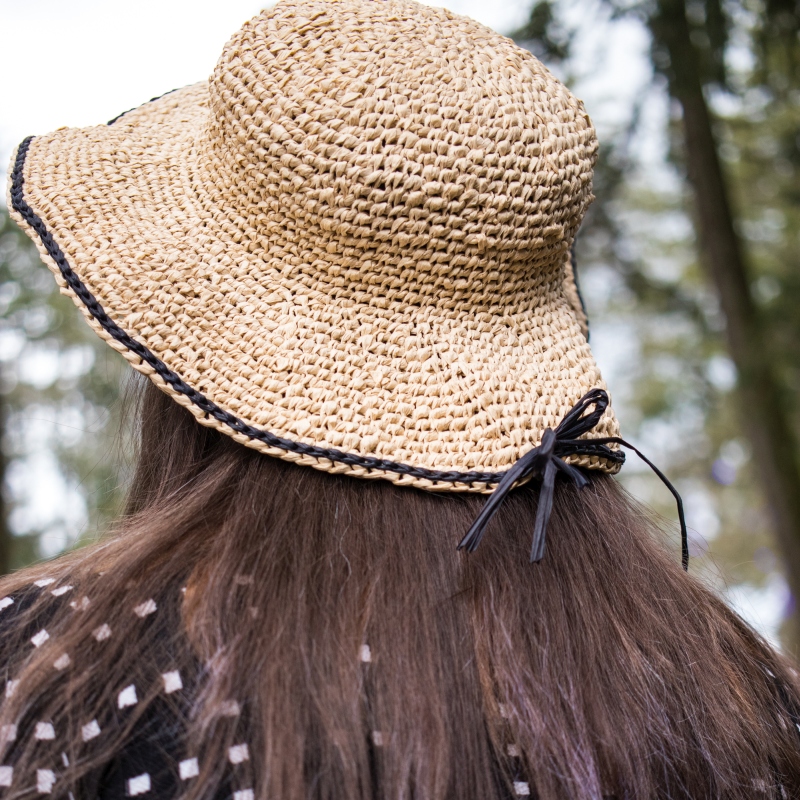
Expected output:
(546, 461)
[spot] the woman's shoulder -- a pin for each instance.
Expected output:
(25, 613)
(132, 670)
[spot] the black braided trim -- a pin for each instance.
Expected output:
(212, 409)
(151, 100)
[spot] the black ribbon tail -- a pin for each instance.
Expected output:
(545, 506)
(573, 473)
(543, 511)
(474, 535)
(673, 490)
(521, 470)
(546, 460)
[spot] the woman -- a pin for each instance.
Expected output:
(349, 250)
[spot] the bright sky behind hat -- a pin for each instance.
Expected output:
(82, 62)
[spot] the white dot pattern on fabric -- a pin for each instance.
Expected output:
(188, 769)
(61, 590)
(62, 662)
(102, 633)
(81, 605)
(8, 733)
(44, 730)
(42, 582)
(127, 697)
(6, 602)
(513, 751)
(238, 753)
(522, 789)
(90, 731)
(45, 778)
(230, 708)
(40, 638)
(139, 785)
(172, 681)
(145, 609)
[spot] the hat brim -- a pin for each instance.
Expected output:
(429, 394)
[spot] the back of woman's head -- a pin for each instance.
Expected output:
(350, 249)
(328, 629)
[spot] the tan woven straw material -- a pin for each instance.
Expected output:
(354, 237)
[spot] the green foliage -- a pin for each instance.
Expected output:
(775, 28)
(761, 147)
(545, 34)
(59, 386)
(640, 265)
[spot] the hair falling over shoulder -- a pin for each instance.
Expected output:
(371, 660)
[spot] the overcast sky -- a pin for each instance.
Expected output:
(81, 62)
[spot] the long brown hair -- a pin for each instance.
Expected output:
(369, 659)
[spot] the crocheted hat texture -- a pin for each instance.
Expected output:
(348, 248)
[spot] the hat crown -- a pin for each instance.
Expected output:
(347, 249)
(398, 145)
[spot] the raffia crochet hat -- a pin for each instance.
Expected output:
(349, 248)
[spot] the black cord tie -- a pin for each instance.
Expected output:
(547, 459)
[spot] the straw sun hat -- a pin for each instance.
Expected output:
(349, 248)
(354, 237)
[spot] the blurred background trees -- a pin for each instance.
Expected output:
(690, 274)
(59, 387)
(693, 253)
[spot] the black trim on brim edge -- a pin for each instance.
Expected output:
(212, 409)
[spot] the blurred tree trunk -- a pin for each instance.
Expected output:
(763, 416)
